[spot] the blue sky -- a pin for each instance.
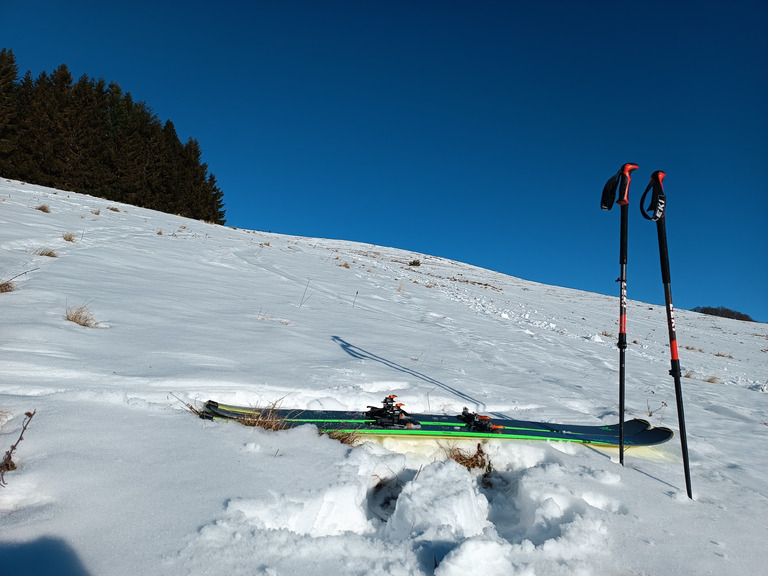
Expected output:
(481, 131)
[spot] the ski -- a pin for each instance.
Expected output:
(391, 420)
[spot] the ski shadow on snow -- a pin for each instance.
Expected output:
(46, 555)
(357, 352)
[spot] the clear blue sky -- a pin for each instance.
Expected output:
(481, 131)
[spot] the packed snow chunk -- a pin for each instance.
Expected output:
(235, 548)
(329, 502)
(482, 555)
(584, 538)
(330, 511)
(22, 494)
(441, 504)
(517, 455)
(384, 386)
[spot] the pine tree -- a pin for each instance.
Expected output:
(86, 137)
(22, 163)
(216, 202)
(8, 112)
(49, 129)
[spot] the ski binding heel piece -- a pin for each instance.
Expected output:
(476, 422)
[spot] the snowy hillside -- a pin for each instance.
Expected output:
(116, 477)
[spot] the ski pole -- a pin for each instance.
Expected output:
(617, 188)
(655, 212)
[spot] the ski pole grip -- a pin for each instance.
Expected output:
(655, 210)
(617, 187)
(626, 178)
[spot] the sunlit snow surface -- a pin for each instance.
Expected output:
(115, 477)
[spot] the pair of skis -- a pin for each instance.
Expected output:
(617, 188)
(392, 420)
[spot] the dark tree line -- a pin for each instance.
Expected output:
(91, 137)
(723, 312)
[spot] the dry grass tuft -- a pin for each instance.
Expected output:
(477, 461)
(269, 419)
(470, 461)
(190, 407)
(266, 419)
(95, 211)
(113, 208)
(43, 208)
(68, 236)
(710, 380)
(160, 232)
(46, 252)
(7, 286)
(80, 315)
(349, 438)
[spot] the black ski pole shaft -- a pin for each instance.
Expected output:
(617, 188)
(622, 343)
(655, 211)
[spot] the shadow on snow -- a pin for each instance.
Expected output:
(357, 352)
(46, 555)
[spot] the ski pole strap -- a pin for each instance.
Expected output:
(617, 187)
(655, 209)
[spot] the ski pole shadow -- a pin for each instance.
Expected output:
(359, 353)
(608, 456)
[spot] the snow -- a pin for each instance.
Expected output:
(116, 477)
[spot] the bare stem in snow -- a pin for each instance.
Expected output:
(8, 463)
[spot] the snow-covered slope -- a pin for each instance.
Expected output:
(116, 477)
